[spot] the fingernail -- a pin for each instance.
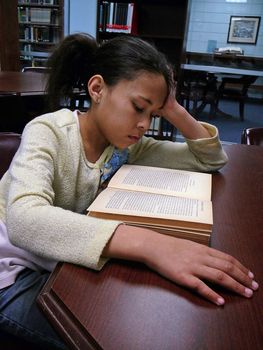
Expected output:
(250, 274)
(220, 301)
(254, 285)
(248, 292)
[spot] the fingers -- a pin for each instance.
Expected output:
(192, 265)
(221, 269)
(223, 279)
(230, 259)
(217, 277)
(228, 264)
(225, 271)
(234, 269)
(202, 289)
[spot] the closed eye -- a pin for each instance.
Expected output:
(138, 109)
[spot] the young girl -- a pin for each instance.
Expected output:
(65, 158)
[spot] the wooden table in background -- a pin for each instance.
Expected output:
(127, 306)
(222, 70)
(22, 98)
(18, 83)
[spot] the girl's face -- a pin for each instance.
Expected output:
(125, 110)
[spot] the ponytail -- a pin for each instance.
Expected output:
(70, 67)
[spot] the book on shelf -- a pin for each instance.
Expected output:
(169, 201)
(37, 2)
(116, 17)
(40, 15)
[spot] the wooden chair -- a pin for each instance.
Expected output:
(9, 143)
(78, 101)
(161, 129)
(200, 88)
(236, 89)
(252, 136)
(35, 69)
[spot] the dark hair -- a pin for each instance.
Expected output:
(78, 57)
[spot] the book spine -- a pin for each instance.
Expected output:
(105, 15)
(116, 17)
(129, 17)
(110, 22)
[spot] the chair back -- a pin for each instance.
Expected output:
(239, 86)
(9, 143)
(198, 88)
(161, 129)
(35, 69)
(252, 136)
(246, 81)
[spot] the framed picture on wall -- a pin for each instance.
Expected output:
(243, 29)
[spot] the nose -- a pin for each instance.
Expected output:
(144, 123)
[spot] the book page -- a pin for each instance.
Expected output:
(197, 236)
(164, 181)
(151, 205)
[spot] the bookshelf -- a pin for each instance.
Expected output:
(41, 26)
(161, 22)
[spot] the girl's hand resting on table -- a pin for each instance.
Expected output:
(187, 263)
(190, 264)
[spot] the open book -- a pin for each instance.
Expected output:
(169, 201)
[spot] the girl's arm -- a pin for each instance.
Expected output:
(182, 261)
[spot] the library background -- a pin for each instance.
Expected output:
(38, 25)
(40, 28)
(185, 30)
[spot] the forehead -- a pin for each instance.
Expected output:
(148, 86)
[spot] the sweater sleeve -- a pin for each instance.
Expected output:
(34, 221)
(204, 154)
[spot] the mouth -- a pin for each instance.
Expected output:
(134, 138)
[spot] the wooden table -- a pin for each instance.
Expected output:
(22, 83)
(211, 74)
(222, 70)
(127, 306)
(22, 97)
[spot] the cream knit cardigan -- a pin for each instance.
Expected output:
(50, 183)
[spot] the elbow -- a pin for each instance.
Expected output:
(12, 226)
(219, 163)
(17, 225)
(212, 163)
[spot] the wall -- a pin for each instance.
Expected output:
(80, 16)
(209, 20)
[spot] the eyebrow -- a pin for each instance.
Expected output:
(149, 101)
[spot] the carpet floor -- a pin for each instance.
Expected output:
(229, 125)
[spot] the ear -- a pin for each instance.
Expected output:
(96, 85)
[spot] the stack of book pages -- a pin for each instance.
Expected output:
(169, 201)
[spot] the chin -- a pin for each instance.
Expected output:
(122, 147)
